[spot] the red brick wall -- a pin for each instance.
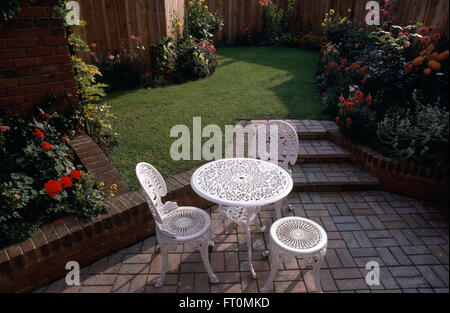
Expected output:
(35, 62)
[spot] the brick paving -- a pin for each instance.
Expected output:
(408, 238)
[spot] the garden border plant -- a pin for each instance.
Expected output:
(387, 86)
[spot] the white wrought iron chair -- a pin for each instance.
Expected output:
(288, 150)
(174, 224)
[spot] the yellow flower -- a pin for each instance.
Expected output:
(326, 14)
(332, 12)
(179, 25)
(102, 184)
(349, 10)
(112, 195)
(206, 7)
(190, 3)
(323, 25)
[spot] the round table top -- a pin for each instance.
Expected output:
(242, 182)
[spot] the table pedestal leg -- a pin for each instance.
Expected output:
(249, 247)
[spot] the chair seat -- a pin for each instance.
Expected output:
(298, 235)
(186, 222)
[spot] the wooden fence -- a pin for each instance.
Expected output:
(309, 14)
(111, 22)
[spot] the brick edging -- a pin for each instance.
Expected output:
(406, 178)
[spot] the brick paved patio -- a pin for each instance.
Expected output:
(408, 238)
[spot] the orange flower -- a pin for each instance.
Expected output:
(435, 66)
(442, 56)
(418, 61)
(423, 52)
(427, 71)
(430, 48)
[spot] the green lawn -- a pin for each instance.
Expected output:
(250, 83)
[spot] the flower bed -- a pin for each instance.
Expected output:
(187, 54)
(388, 86)
(40, 182)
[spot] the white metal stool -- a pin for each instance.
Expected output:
(296, 237)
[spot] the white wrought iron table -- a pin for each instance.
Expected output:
(241, 187)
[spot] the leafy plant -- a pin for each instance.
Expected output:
(277, 20)
(200, 23)
(122, 69)
(8, 8)
(419, 134)
(195, 59)
(163, 59)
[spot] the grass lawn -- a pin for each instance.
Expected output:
(250, 83)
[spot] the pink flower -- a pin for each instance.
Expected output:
(111, 57)
(93, 45)
(361, 30)
(4, 129)
(133, 37)
(16, 196)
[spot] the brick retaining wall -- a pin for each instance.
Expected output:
(35, 62)
(406, 178)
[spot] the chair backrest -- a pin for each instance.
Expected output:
(288, 144)
(154, 187)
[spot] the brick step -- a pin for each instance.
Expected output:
(321, 151)
(306, 129)
(331, 177)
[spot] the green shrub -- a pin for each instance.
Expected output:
(200, 23)
(122, 69)
(277, 21)
(421, 134)
(163, 59)
(195, 59)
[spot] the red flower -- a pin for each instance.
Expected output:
(53, 188)
(46, 146)
(75, 174)
(58, 222)
(437, 36)
(371, 118)
(38, 133)
(66, 181)
(426, 40)
(337, 120)
(359, 96)
(369, 100)
(349, 122)
(324, 94)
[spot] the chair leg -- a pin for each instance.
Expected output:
(160, 280)
(274, 263)
(249, 247)
(204, 253)
(316, 274)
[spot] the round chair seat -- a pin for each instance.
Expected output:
(186, 221)
(298, 235)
